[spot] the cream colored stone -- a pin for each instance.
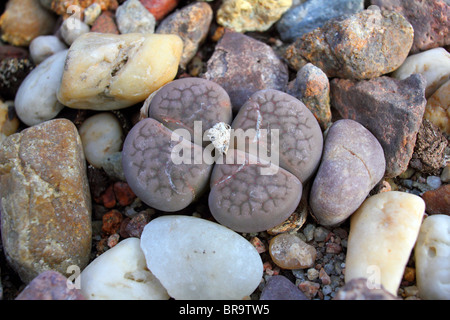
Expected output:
(36, 100)
(382, 234)
(432, 256)
(72, 28)
(108, 71)
(438, 108)
(433, 64)
(121, 273)
(101, 135)
(251, 15)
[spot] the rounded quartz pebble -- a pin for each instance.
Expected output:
(249, 195)
(181, 102)
(102, 136)
(352, 164)
(197, 259)
(43, 47)
(36, 99)
(300, 138)
(153, 175)
(290, 252)
(432, 257)
(121, 273)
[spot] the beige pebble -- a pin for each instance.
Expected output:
(382, 234)
(437, 109)
(433, 64)
(290, 252)
(108, 71)
(102, 136)
(432, 256)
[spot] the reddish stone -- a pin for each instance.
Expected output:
(108, 198)
(134, 226)
(324, 277)
(159, 8)
(8, 51)
(113, 240)
(50, 285)
(438, 201)
(309, 288)
(111, 222)
(258, 244)
(124, 195)
(105, 23)
(333, 248)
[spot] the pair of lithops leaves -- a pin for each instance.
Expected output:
(181, 150)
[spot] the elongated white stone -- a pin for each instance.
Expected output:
(199, 259)
(383, 232)
(121, 274)
(36, 100)
(432, 256)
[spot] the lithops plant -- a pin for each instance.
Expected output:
(254, 185)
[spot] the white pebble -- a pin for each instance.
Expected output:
(433, 64)
(434, 182)
(199, 259)
(132, 16)
(432, 256)
(36, 99)
(72, 28)
(101, 135)
(121, 274)
(43, 47)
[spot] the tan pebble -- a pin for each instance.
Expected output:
(289, 252)
(437, 109)
(382, 234)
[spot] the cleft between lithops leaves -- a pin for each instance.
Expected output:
(220, 135)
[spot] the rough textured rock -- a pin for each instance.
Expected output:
(50, 285)
(121, 273)
(352, 164)
(119, 71)
(191, 23)
(362, 46)
(246, 198)
(438, 201)
(153, 175)
(433, 65)
(46, 205)
(383, 232)
(13, 71)
(65, 8)
(221, 263)
(431, 256)
(361, 289)
(300, 140)
(313, 14)
(428, 18)
(36, 99)
(281, 288)
(251, 15)
(132, 16)
(437, 109)
(311, 86)
(429, 150)
(34, 19)
(243, 65)
(373, 104)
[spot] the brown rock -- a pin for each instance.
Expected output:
(391, 109)
(429, 150)
(438, 201)
(243, 65)
(66, 8)
(191, 23)
(24, 20)
(311, 86)
(50, 285)
(123, 193)
(159, 8)
(428, 18)
(46, 205)
(105, 23)
(361, 46)
(111, 222)
(358, 289)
